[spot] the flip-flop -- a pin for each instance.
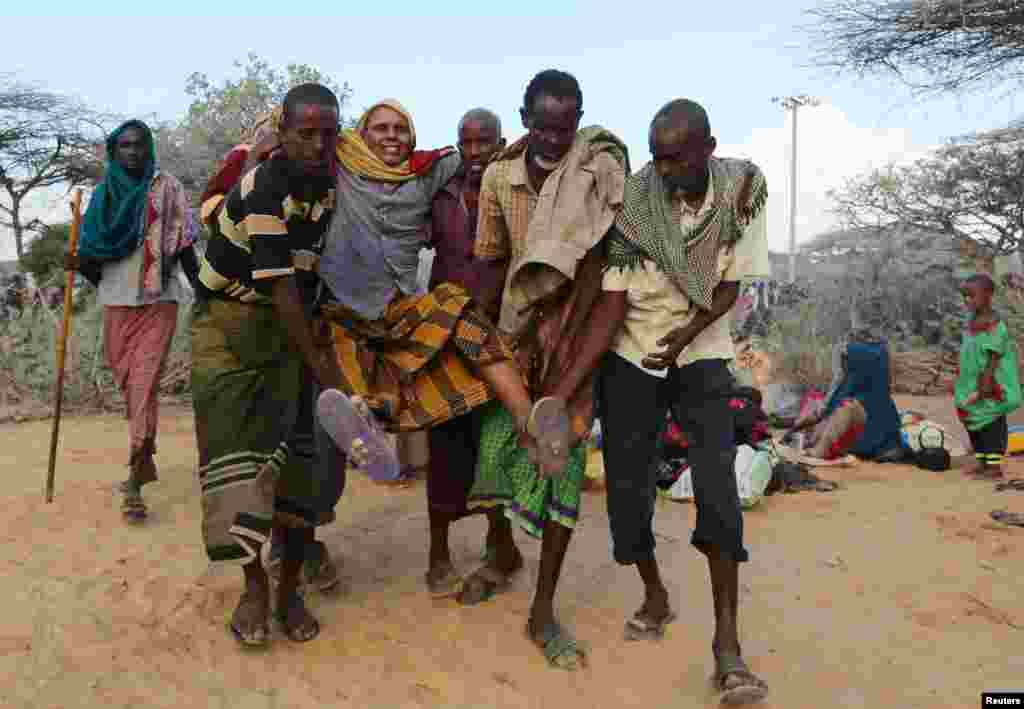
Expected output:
(550, 429)
(746, 687)
(290, 631)
(133, 509)
(1014, 519)
(353, 429)
(560, 649)
(1012, 484)
(642, 627)
(444, 584)
(256, 640)
(487, 582)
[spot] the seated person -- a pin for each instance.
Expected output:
(859, 416)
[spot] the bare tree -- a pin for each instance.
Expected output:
(932, 46)
(45, 140)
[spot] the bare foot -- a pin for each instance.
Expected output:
(249, 621)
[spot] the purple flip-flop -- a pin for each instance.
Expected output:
(357, 434)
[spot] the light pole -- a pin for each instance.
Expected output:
(792, 104)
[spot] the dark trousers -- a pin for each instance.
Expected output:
(992, 440)
(452, 469)
(311, 445)
(632, 406)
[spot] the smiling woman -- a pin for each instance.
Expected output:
(389, 135)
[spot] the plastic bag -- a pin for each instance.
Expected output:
(753, 468)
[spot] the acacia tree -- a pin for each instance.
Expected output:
(46, 140)
(221, 113)
(932, 46)
(970, 190)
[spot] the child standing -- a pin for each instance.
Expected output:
(988, 385)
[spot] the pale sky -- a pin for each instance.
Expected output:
(629, 58)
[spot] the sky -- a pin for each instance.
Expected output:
(630, 58)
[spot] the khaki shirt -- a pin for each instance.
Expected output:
(656, 306)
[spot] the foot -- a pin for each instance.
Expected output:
(650, 621)
(296, 621)
(354, 430)
(986, 472)
(734, 681)
(249, 621)
(319, 570)
(560, 649)
(133, 509)
(550, 431)
(491, 578)
(442, 579)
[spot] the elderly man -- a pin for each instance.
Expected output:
(454, 444)
(258, 364)
(546, 204)
(692, 228)
(136, 235)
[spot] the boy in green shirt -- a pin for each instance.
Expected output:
(988, 385)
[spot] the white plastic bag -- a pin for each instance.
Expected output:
(753, 473)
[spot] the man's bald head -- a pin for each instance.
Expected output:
(682, 114)
(682, 145)
(487, 119)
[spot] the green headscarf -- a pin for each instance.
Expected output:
(114, 223)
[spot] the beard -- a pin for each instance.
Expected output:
(688, 184)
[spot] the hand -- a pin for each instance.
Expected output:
(987, 385)
(72, 262)
(674, 342)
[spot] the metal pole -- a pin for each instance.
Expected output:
(792, 200)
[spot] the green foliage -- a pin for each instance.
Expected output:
(44, 257)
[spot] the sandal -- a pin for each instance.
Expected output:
(133, 509)
(1012, 484)
(1015, 519)
(353, 428)
(319, 570)
(735, 683)
(443, 581)
(487, 582)
(259, 635)
(643, 627)
(561, 650)
(302, 631)
(550, 430)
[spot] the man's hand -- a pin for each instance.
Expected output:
(674, 343)
(72, 262)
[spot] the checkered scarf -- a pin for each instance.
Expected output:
(649, 228)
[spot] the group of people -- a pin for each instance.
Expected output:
(564, 287)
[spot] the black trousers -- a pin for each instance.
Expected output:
(991, 441)
(632, 406)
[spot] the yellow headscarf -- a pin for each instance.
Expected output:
(356, 157)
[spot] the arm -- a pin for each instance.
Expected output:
(606, 319)
(724, 298)
(284, 294)
(491, 248)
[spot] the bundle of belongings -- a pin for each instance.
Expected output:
(755, 455)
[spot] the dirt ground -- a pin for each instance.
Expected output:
(895, 591)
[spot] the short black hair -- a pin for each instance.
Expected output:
(981, 279)
(683, 111)
(554, 83)
(483, 116)
(308, 95)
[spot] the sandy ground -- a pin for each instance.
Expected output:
(895, 591)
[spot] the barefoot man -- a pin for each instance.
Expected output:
(258, 363)
(692, 228)
(454, 444)
(546, 204)
(136, 236)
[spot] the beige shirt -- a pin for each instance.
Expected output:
(656, 306)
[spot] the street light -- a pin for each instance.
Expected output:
(793, 103)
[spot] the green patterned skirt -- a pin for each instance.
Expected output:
(505, 477)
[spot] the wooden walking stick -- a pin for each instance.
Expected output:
(62, 340)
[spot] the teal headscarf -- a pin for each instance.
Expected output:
(114, 223)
